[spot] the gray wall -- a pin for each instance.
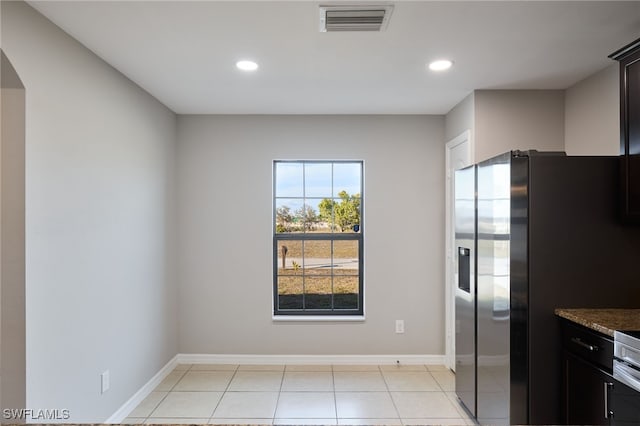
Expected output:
(12, 241)
(518, 119)
(225, 247)
(461, 118)
(503, 120)
(100, 291)
(592, 114)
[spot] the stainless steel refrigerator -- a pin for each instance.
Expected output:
(534, 232)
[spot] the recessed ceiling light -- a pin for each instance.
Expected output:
(247, 65)
(440, 65)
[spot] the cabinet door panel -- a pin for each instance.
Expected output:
(585, 393)
(625, 403)
(629, 57)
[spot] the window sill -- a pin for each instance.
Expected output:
(318, 318)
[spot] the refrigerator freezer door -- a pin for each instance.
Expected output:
(465, 311)
(493, 293)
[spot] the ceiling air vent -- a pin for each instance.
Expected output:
(355, 18)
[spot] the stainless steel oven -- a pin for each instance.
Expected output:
(625, 393)
(626, 358)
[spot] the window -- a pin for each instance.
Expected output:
(317, 238)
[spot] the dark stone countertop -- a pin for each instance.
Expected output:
(605, 321)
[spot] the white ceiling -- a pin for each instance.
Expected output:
(184, 53)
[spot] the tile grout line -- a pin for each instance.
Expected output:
(445, 393)
(224, 392)
(275, 410)
(165, 397)
(436, 380)
(390, 395)
(335, 397)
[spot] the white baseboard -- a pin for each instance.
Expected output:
(309, 359)
(140, 395)
(123, 412)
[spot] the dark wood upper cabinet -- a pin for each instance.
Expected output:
(629, 58)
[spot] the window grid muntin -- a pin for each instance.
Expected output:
(333, 196)
(332, 236)
(332, 275)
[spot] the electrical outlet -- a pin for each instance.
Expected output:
(104, 382)
(399, 326)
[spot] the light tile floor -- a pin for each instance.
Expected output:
(304, 395)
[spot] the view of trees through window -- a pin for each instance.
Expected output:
(332, 215)
(317, 237)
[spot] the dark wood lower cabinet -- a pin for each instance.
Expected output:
(587, 393)
(591, 396)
